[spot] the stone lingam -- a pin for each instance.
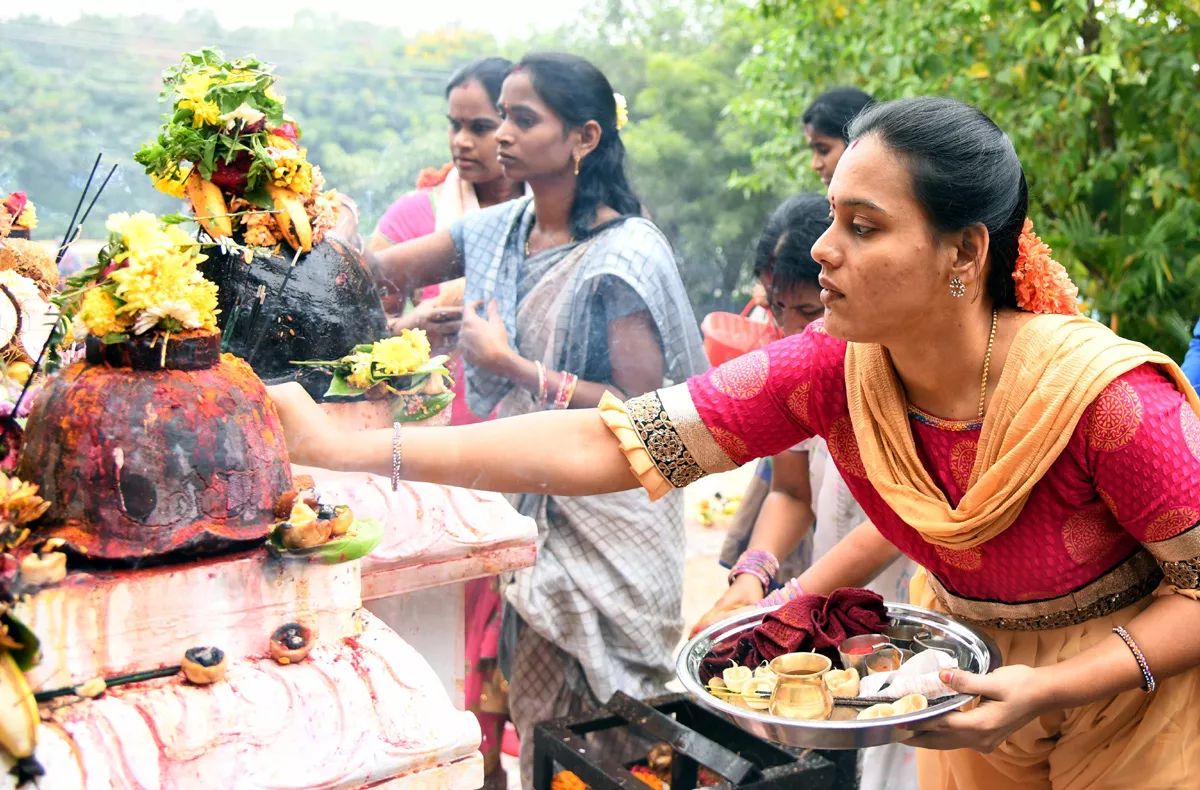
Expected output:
(145, 454)
(274, 312)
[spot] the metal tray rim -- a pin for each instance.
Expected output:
(982, 647)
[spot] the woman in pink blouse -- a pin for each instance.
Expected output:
(1043, 472)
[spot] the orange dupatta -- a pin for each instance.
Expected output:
(1057, 366)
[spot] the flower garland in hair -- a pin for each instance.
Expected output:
(434, 176)
(1043, 285)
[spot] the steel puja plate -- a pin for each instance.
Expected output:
(977, 653)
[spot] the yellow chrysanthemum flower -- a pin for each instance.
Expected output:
(173, 184)
(418, 339)
(140, 232)
(192, 95)
(360, 372)
(28, 218)
(203, 299)
(399, 356)
(152, 280)
(99, 314)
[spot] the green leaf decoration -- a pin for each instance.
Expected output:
(430, 406)
(339, 387)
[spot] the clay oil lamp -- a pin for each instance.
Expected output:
(204, 665)
(291, 642)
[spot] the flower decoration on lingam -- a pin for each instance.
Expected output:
(283, 250)
(145, 282)
(397, 368)
(230, 149)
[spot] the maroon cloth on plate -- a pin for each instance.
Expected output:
(817, 623)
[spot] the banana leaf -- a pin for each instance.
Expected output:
(30, 652)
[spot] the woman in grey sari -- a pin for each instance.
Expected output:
(571, 293)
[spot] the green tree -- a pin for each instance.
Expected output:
(1098, 96)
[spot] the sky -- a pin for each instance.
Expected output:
(502, 19)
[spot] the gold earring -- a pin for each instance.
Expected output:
(957, 288)
(576, 157)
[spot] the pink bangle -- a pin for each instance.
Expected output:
(759, 563)
(787, 592)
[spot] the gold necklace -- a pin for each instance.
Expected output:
(530, 235)
(987, 362)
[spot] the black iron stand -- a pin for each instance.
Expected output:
(699, 739)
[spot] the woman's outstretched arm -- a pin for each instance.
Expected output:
(403, 268)
(563, 453)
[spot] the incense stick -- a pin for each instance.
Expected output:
(62, 247)
(116, 680)
(88, 211)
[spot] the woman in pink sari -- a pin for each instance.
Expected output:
(473, 181)
(1043, 472)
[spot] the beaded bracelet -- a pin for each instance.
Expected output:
(758, 563)
(1137, 655)
(787, 592)
(566, 391)
(396, 456)
(543, 383)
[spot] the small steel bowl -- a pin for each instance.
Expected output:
(902, 636)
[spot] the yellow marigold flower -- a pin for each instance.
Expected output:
(173, 184)
(360, 372)
(28, 218)
(99, 313)
(194, 88)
